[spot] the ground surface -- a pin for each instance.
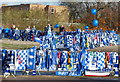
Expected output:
(12, 44)
(51, 77)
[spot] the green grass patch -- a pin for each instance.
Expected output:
(16, 46)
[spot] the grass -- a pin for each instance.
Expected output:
(16, 46)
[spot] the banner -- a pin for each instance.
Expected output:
(70, 63)
(31, 58)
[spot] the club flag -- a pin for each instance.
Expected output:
(83, 57)
(38, 40)
(47, 58)
(32, 58)
(3, 54)
(70, 66)
(111, 58)
(49, 33)
(83, 41)
(70, 61)
(54, 57)
(103, 40)
(87, 44)
(108, 56)
(21, 59)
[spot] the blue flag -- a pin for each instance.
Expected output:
(32, 58)
(81, 59)
(38, 40)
